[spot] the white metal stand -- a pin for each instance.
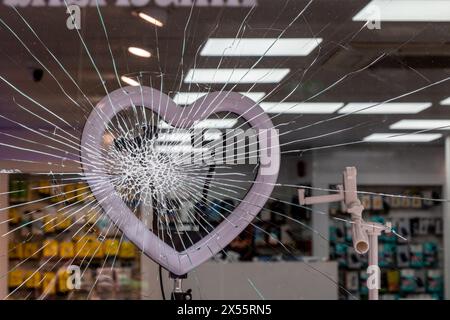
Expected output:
(364, 234)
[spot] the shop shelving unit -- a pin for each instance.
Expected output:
(411, 267)
(53, 225)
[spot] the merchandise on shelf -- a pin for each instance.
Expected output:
(416, 255)
(409, 257)
(393, 280)
(435, 281)
(352, 281)
(430, 254)
(48, 235)
(403, 256)
(386, 253)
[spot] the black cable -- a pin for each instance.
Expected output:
(161, 285)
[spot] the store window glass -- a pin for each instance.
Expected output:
(279, 145)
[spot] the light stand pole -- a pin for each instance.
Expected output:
(373, 258)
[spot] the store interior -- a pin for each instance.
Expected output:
(365, 86)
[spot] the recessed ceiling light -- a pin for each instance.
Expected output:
(421, 125)
(129, 81)
(405, 10)
(150, 19)
(206, 124)
(445, 102)
(301, 107)
(184, 98)
(139, 52)
(385, 108)
(259, 47)
(402, 137)
(236, 75)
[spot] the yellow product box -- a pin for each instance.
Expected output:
(85, 247)
(417, 202)
(81, 188)
(83, 192)
(91, 217)
(97, 247)
(57, 195)
(15, 250)
(49, 283)
(15, 278)
(45, 187)
(63, 276)
(31, 250)
(111, 247)
(63, 221)
(127, 250)
(33, 279)
(66, 249)
(50, 248)
(70, 192)
(14, 216)
(49, 223)
(406, 203)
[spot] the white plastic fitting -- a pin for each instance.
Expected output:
(360, 238)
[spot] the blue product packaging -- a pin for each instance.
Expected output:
(387, 255)
(430, 254)
(435, 281)
(416, 255)
(407, 281)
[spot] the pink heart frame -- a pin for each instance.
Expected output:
(135, 230)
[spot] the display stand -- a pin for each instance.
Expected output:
(364, 234)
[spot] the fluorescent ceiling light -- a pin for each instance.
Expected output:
(255, 96)
(129, 81)
(385, 108)
(259, 47)
(211, 135)
(236, 75)
(402, 137)
(421, 125)
(139, 52)
(206, 124)
(208, 135)
(301, 107)
(184, 98)
(150, 19)
(216, 124)
(179, 149)
(445, 102)
(405, 10)
(175, 137)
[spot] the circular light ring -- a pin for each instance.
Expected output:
(135, 230)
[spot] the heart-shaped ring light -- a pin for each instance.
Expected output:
(134, 229)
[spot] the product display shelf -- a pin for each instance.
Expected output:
(279, 233)
(58, 236)
(411, 262)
